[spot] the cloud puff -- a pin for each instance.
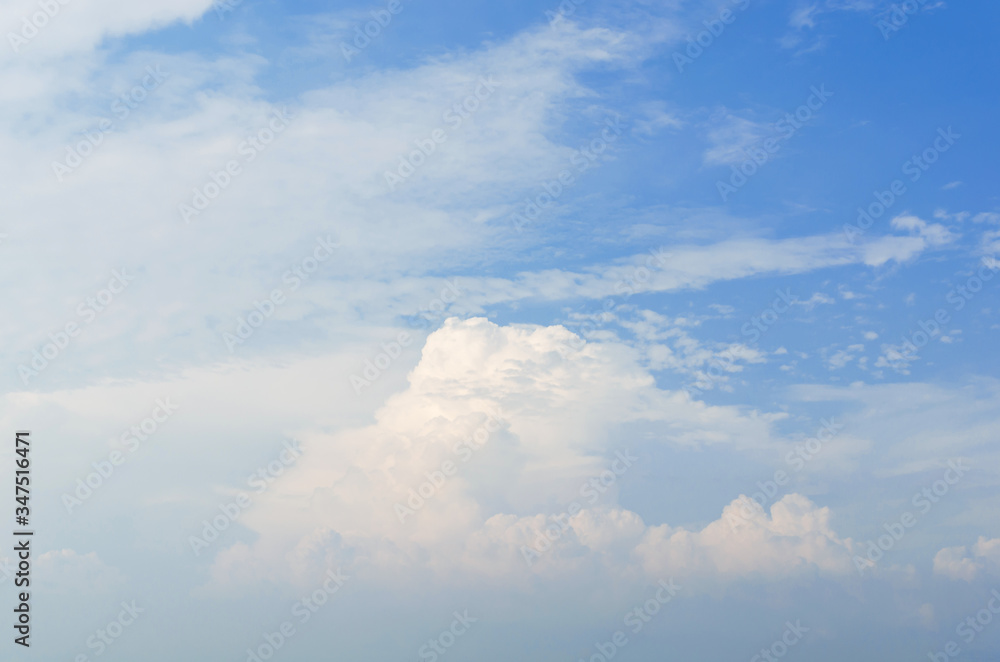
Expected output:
(795, 538)
(923, 235)
(498, 427)
(66, 571)
(961, 563)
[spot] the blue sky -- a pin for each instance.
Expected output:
(304, 300)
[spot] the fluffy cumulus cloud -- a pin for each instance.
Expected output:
(795, 538)
(501, 460)
(969, 564)
(606, 366)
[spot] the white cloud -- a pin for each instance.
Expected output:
(923, 235)
(841, 358)
(803, 17)
(935, 233)
(986, 217)
(79, 27)
(180, 135)
(816, 299)
(796, 538)
(961, 563)
(667, 344)
(562, 419)
(66, 571)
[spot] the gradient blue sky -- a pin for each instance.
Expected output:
(624, 319)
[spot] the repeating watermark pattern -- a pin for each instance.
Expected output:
(364, 34)
(898, 15)
(565, 9)
(714, 27)
(582, 159)
(923, 501)
(634, 283)
(439, 645)
(106, 636)
(87, 310)
(121, 108)
(302, 610)
(264, 310)
(223, 7)
(453, 118)
(725, 362)
(791, 636)
(760, 324)
(545, 195)
(435, 310)
(6, 571)
(796, 460)
(464, 451)
(785, 129)
(218, 181)
(132, 439)
(914, 168)
(32, 25)
(635, 620)
(261, 480)
(590, 491)
(377, 365)
(899, 358)
(969, 628)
